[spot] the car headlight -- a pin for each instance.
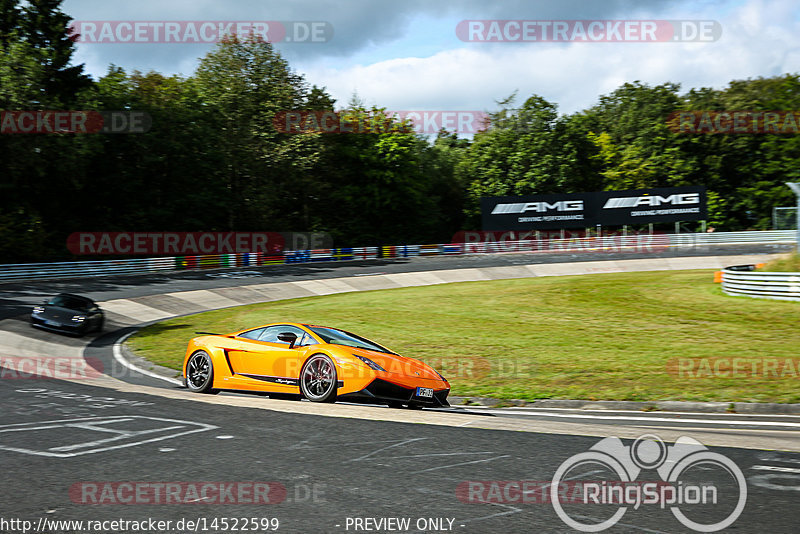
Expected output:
(78, 318)
(372, 365)
(38, 309)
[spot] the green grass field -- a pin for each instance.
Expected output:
(789, 263)
(622, 336)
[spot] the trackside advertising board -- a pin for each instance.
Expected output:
(583, 210)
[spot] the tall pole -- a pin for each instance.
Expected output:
(796, 188)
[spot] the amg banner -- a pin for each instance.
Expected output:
(582, 210)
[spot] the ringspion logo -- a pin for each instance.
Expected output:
(684, 469)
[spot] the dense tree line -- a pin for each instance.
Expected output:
(625, 142)
(213, 161)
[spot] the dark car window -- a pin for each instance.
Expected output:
(72, 303)
(306, 340)
(252, 334)
(340, 337)
(270, 335)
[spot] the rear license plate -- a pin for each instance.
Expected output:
(425, 392)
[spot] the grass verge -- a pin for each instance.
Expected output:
(783, 264)
(620, 336)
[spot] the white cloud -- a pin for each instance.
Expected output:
(405, 55)
(759, 39)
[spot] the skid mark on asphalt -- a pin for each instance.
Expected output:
(513, 509)
(436, 454)
(41, 402)
(619, 524)
(484, 460)
(304, 444)
(778, 457)
(776, 477)
(398, 444)
(133, 430)
(509, 509)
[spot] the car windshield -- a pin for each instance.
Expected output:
(340, 337)
(67, 301)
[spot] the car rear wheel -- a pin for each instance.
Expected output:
(318, 379)
(200, 373)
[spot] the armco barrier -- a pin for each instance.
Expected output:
(641, 243)
(85, 269)
(742, 280)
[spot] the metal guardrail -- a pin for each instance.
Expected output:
(641, 243)
(84, 269)
(733, 238)
(742, 280)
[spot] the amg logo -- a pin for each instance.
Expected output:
(655, 200)
(540, 207)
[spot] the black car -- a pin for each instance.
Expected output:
(68, 313)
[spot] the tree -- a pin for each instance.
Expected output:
(529, 150)
(244, 84)
(45, 28)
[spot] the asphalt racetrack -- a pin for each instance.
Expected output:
(138, 448)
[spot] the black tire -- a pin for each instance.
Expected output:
(318, 379)
(200, 373)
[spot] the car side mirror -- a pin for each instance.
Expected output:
(288, 337)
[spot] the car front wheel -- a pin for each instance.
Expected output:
(200, 373)
(318, 379)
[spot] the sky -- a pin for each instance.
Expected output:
(408, 55)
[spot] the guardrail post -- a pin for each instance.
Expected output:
(796, 188)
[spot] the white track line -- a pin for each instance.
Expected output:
(650, 419)
(121, 359)
(531, 410)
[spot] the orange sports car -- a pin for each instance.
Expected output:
(319, 363)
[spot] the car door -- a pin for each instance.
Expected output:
(269, 359)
